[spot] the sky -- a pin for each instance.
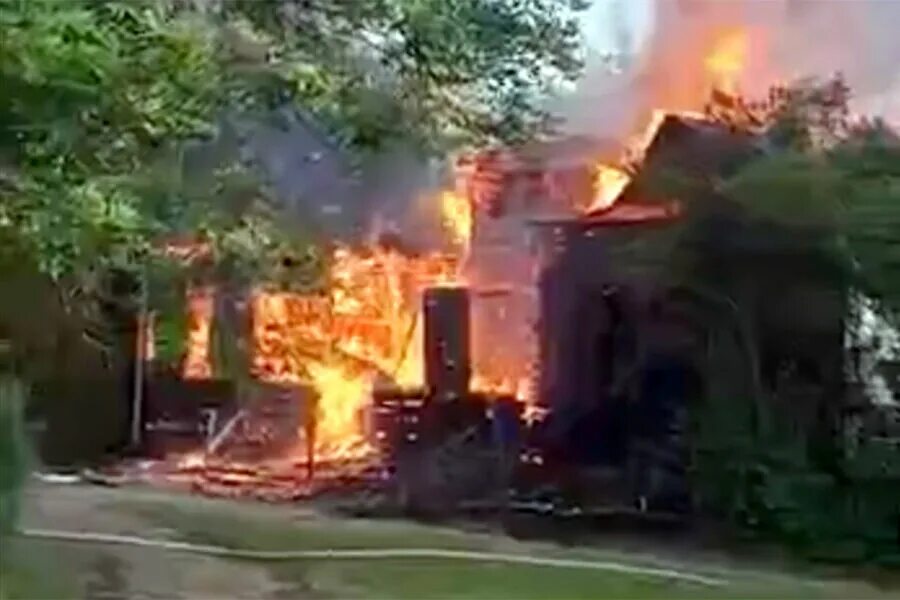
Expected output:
(815, 41)
(598, 22)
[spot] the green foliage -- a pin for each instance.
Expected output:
(823, 199)
(435, 71)
(869, 164)
(826, 173)
(788, 188)
(767, 483)
(95, 92)
(170, 321)
(100, 97)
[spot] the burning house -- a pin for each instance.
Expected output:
(552, 324)
(548, 342)
(547, 330)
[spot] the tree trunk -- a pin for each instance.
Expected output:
(13, 448)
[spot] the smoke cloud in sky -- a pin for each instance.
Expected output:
(788, 39)
(666, 42)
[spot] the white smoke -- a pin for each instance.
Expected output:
(789, 40)
(879, 342)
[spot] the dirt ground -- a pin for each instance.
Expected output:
(102, 572)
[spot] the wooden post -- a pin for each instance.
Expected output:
(310, 419)
(447, 342)
(140, 357)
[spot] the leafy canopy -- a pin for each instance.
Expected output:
(99, 97)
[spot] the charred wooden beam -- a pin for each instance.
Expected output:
(447, 343)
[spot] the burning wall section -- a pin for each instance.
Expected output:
(365, 327)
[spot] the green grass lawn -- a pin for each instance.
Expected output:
(229, 525)
(29, 572)
(433, 578)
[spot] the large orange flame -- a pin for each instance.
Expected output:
(364, 326)
(342, 398)
(717, 59)
(727, 59)
(197, 364)
(609, 182)
(456, 214)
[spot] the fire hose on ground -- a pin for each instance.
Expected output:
(371, 553)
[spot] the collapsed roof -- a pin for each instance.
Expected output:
(691, 147)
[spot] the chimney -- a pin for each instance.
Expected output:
(447, 343)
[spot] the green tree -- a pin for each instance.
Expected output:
(98, 97)
(437, 72)
(804, 223)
